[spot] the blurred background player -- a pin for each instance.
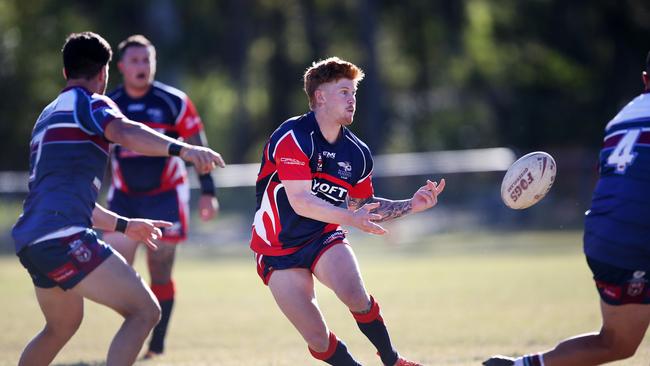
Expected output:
(54, 237)
(616, 244)
(310, 166)
(155, 187)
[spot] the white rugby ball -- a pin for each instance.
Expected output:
(528, 180)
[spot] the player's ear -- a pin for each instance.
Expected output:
(65, 75)
(319, 96)
(646, 80)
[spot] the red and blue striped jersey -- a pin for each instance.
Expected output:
(68, 156)
(298, 151)
(167, 110)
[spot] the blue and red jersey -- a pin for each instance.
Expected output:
(68, 156)
(298, 151)
(617, 226)
(166, 110)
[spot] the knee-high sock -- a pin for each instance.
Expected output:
(165, 295)
(336, 354)
(372, 325)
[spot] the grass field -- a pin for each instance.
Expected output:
(448, 300)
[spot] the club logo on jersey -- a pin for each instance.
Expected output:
(155, 114)
(291, 161)
(80, 251)
(346, 169)
(331, 191)
(329, 155)
(319, 163)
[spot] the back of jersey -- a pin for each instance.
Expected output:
(619, 217)
(68, 155)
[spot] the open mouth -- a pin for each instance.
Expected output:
(141, 76)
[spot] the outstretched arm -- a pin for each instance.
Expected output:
(144, 140)
(425, 198)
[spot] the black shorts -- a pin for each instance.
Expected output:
(620, 286)
(170, 206)
(305, 257)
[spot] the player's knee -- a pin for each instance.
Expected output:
(146, 312)
(356, 299)
(65, 328)
(318, 341)
(152, 313)
(618, 347)
(623, 350)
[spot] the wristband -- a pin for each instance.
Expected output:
(121, 224)
(207, 184)
(174, 149)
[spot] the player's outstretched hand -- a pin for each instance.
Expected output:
(362, 219)
(208, 207)
(427, 196)
(203, 158)
(146, 231)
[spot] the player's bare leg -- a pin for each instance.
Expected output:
(116, 285)
(622, 331)
(293, 290)
(63, 311)
(338, 269)
(620, 335)
(123, 244)
(161, 263)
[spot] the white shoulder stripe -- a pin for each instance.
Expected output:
(288, 133)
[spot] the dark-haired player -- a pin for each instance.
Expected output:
(54, 237)
(311, 165)
(616, 244)
(155, 187)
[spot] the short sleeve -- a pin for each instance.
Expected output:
(94, 113)
(189, 123)
(363, 188)
(291, 162)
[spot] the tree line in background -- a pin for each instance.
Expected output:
(447, 74)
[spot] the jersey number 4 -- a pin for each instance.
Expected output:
(623, 155)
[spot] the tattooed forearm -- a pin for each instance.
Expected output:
(388, 209)
(356, 203)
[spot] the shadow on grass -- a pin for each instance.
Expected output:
(98, 363)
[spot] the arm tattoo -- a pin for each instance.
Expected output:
(388, 209)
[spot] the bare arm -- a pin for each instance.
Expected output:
(144, 140)
(307, 205)
(104, 219)
(137, 229)
(388, 209)
(139, 138)
(424, 198)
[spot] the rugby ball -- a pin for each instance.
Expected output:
(528, 180)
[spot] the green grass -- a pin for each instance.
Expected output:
(448, 300)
